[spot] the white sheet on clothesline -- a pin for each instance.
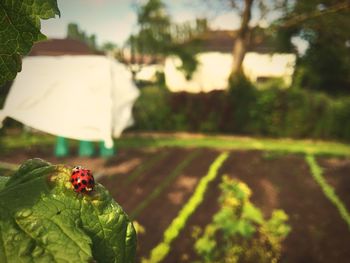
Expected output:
(78, 97)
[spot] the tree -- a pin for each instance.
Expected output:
(159, 37)
(241, 41)
(245, 9)
(154, 36)
(109, 46)
(73, 32)
(324, 24)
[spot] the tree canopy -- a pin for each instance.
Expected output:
(74, 32)
(159, 36)
(325, 25)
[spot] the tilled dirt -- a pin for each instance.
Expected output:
(318, 234)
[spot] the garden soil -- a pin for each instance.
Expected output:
(337, 173)
(277, 181)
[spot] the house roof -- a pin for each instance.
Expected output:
(218, 40)
(59, 47)
(223, 40)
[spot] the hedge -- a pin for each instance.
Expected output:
(245, 110)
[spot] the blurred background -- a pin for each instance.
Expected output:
(221, 127)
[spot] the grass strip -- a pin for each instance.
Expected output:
(8, 166)
(164, 184)
(159, 252)
(238, 143)
(328, 190)
(314, 147)
(143, 168)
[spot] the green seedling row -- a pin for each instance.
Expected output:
(328, 190)
(159, 252)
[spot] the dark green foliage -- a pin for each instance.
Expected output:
(246, 110)
(73, 32)
(151, 111)
(159, 37)
(325, 67)
(186, 52)
(19, 30)
(242, 98)
(324, 24)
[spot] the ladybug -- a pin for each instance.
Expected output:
(82, 180)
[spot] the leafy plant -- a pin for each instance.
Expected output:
(19, 29)
(43, 220)
(238, 231)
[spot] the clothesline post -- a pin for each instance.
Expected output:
(61, 148)
(106, 152)
(86, 148)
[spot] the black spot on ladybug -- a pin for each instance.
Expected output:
(76, 179)
(76, 186)
(84, 182)
(91, 181)
(79, 184)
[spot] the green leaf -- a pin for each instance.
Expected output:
(3, 181)
(43, 220)
(19, 29)
(252, 213)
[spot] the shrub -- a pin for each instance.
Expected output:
(151, 110)
(243, 109)
(238, 231)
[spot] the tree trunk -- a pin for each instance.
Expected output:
(242, 39)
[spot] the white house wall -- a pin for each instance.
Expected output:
(214, 69)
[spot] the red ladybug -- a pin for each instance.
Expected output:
(82, 180)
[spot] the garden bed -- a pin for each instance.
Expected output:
(337, 174)
(157, 183)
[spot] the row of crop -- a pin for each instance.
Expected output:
(160, 251)
(164, 184)
(243, 232)
(316, 172)
(238, 231)
(142, 168)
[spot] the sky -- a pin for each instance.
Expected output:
(115, 20)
